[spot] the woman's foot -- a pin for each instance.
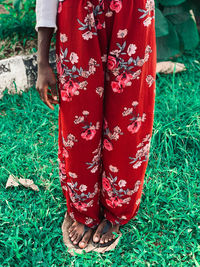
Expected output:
(108, 236)
(76, 231)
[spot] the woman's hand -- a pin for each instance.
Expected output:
(46, 85)
(46, 80)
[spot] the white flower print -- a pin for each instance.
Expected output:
(127, 111)
(122, 183)
(99, 91)
(138, 201)
(88, 220)
(73, 58)
(113, 168)
(63, 37)
(148, 13)
(87, 35)
(131, 49)
(109, 14)
(85, 112)
(83, 85)
(147, 21)
(89, 20)
(104, 58)
(150, 80)
(73, 175)
(150, 5)
(135, 103)
(83, 187)
(142, 155)
(78, 119)
(122, 33)
(93, 170)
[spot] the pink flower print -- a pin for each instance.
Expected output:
(122, 33)
(92, 69)
(131, 49)
(114, 202)
(87, 35)
(150, 5)
(116, 87)
(65, 153)
(147, 21)
(116, 5)
(89, 133)
(80, 206)
(62, 168)
(140, 62)
(105, 124)
(106, 184)
(113, 168)
(107, 145)
(134, 126)
(112, 63)
(63, 38)
(73, 58)
(89, 20)
(99, 25)
(122, 183)
(83, 187)
(59, 68)
(124, 79)
(69, 90)
(150, 80)
(60, 7)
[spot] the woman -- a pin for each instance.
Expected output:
(106, 64)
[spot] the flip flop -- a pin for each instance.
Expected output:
(105, 229)
(86, 229)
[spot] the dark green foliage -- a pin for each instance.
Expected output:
(19, 20)
(176, 29)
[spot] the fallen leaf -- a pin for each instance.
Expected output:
(168, 67)
(29, 184)
(12, 181)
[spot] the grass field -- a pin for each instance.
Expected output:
(167, 229)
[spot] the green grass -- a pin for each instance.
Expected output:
(167, 229)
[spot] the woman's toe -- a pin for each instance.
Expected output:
(106, 240)
(83, 243)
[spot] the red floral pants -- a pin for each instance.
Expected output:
(106, 64)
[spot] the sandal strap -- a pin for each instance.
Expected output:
(86, 229)
(107, 226)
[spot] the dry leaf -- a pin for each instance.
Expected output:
(29, 184)
(168, 67)
(12, 181)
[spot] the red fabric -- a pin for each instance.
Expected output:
(106, 62)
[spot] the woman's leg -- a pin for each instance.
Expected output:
(129, 110)
(81, 86)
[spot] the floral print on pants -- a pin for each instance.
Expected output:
(106, 64)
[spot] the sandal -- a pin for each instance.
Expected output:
(107, 226)
(86, 229)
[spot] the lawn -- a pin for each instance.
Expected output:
(166, 231)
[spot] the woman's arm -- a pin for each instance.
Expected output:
(46, 80)
(46, 11)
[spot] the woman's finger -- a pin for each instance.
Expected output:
(54, 91)
(45, 97)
